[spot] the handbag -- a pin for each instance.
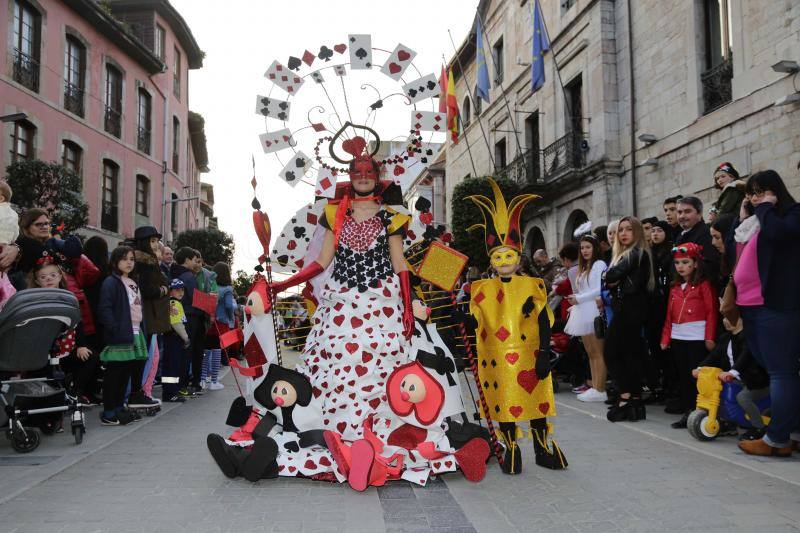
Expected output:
(600, 326)
(727, 304)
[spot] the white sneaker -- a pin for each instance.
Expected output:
(593, 395)
(215, 385)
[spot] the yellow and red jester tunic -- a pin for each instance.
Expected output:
(508, 344)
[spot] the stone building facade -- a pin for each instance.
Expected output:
(704, 92)
(103, 88)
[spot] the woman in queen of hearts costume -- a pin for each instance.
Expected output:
(513, 337)
(361, 327)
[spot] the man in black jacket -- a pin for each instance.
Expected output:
(690, 218)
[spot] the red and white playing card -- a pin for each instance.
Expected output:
(398, 62)
(326, 183)
(428, 120)
(284, 78)
(273, 141)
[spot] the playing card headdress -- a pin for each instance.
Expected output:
(501, 221)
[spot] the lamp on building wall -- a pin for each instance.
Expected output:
(648, 138)
(650, 162)
(13, 117)
(789, 99)
(786, 66)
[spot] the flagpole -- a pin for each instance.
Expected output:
(471, 101)
(466, 139)
(500, 85)
(555, 63)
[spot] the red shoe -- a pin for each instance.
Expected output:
(471, 459)
(362, 459)
(339, 450)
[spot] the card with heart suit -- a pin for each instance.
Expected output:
(360, 52)
(326, 183)
(428, 120)
(425, 87)
(273, 141)
(293, 241)
(294, 170)
(284, 78)
(317, 76)
(340, 70)
(273, 108)
(398, 62)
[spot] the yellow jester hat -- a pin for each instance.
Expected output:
(501, 222)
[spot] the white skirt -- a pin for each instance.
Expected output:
(581, 319)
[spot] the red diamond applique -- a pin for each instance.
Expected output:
(502, 334)
(308, 58)
(478, 298)
(325, 183)
(437, 127)
(253, 182)
(311, 218)
(500, 295)
(418, 115)
(437, 118)
(318, 126)
(483, 335)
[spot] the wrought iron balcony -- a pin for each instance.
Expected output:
(113, 122)
(563, 155)
(716, 83)
(26, 70)
(524, 169)
(73, 99)
(143, 140)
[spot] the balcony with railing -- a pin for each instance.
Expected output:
(524, 169)
(716, 83)
(113, 122)
(143, 140)
(564, 155)
(73, 99)
(26, 70)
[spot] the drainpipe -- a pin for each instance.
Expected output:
(633, 109)
(164, 147)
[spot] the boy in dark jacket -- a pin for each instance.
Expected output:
(732, 355)
(188, 262)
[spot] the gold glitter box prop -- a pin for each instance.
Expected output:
(442, 266)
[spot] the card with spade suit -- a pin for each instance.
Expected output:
(292, 243)
(284, 78)
(398, 62)
(273, 141)
(317, 76)
(360, 52)
(273, 108)
(428, 120)
(326, 183)
(425, 87)
(294, 170)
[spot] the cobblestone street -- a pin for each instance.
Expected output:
(157, 476)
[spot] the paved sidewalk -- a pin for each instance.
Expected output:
(622, 477)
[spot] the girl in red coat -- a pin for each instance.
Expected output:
(691, 323)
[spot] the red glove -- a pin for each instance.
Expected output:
(309, 271)
(408, 309)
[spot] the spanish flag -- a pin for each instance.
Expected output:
(452, 108)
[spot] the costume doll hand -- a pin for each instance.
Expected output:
(408, 322)
(542, 366)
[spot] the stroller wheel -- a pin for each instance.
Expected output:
(24, 441)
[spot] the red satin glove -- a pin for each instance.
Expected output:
(408, 309)
(309, 271)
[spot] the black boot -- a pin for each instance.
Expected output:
(637, 410)
(619, 412)
(512, 460)
(545, 456)
(260, 462)
(228, 458)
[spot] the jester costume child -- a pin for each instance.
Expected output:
(513, 337)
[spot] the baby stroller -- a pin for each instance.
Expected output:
(30, 323)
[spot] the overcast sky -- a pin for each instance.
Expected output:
(241, 38)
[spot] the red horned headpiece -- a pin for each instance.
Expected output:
(687, 250)
(362, 164)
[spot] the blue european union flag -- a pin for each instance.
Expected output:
(540, 45)
(482, 87)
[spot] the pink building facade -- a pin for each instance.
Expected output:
(105, 91)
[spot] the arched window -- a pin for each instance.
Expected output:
(465, 113)
(109, 219)
(478, 103)
(74, 75)
(22, 136)
(534, 240)
(113, 114)
(575, 219)
(71, 156)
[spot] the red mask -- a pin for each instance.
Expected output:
(363, 168)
